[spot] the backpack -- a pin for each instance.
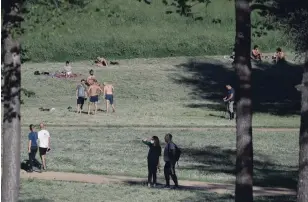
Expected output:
(178, 153)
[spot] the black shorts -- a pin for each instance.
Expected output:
(42, 151)
(80, 100)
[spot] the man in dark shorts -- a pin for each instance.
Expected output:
(32, 147)
(93, 93)
(108, 92)
(169, 158)
(81, 94)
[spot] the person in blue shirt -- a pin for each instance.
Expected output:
(32, 146)
(229, 99)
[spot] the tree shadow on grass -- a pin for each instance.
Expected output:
(273, 85)
(216, 160)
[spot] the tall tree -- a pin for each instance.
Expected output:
(11, 101)
(244, 153)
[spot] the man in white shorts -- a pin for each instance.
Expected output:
(44, 143)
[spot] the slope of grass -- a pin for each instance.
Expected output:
(146, 93)
(49, 191)
(207, 155)
(117, 29)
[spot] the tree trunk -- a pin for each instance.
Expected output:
(302, 192)
(244, 153)
(11, 104)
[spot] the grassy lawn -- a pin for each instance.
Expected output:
(49, 191)
(163, 92)
(207, 155)
(130, 29)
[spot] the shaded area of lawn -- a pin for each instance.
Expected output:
(273, 85)
(218, 160)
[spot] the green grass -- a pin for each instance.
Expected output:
(207, 155)
(149, 92)
(114, 29)
(49, 191)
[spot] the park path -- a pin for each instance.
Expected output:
(125, 180)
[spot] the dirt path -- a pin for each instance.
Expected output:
(187, 185)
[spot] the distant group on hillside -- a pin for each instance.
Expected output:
(256, 55)
(90, 88)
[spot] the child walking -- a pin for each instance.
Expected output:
(153, 158)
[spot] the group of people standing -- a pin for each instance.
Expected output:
(38, 141)
(91, 89)
(171, 156)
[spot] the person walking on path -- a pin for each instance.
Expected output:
(153, 159)
(170, 161)
(229, 99)
(44, 144)
(32, 147)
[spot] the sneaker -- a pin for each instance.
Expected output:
(149, 185)
(154, 185)
(167, 187)
(30, 171)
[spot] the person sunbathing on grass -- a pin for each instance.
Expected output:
(101, 62)
(93, 93)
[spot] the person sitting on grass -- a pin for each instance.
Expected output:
(68, 69)
(256, 54)
(153, 159)
(279, 56)
(90, 78)
(101, 62)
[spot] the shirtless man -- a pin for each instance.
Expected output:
(91, 78)
(93, 93)
(108, 92)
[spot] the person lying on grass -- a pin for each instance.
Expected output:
(153, 159)
(101, 62)
(279, 56)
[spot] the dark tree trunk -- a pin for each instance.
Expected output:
(11, 103)
(244, 154)
(302, 192)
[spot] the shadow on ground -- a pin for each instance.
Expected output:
(266, 174)
(273, 85)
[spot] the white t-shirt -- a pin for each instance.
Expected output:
(43, 137)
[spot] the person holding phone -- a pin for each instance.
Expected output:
(153, 159)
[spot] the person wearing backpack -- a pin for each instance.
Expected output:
(153, 158)
(171, 156)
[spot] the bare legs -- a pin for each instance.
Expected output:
(43, 161)
(89, 107)
(107, 106)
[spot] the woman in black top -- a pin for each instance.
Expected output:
(153, 158)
